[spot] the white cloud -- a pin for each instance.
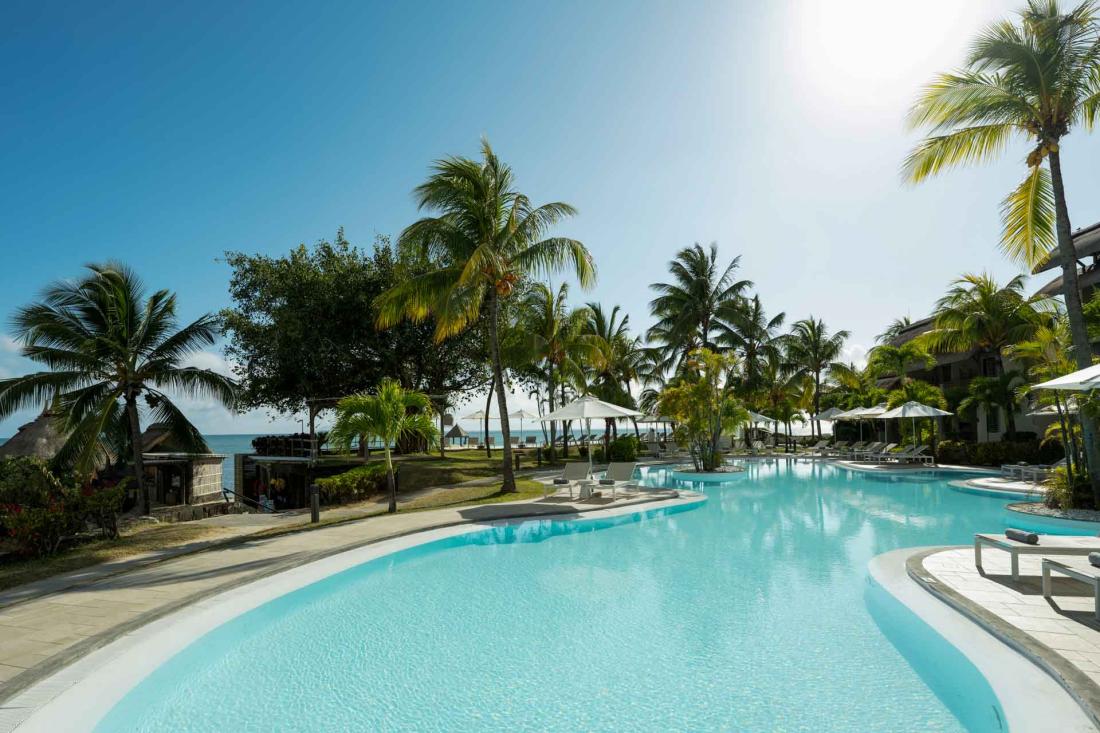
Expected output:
(856, 354)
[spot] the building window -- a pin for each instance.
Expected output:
(989, 367)
(993, 420)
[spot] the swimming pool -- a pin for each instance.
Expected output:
(753, 611)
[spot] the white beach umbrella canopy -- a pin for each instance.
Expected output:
(1082, 380)
(522, 415)
(913, 410)
(830, 414)
(589, 409)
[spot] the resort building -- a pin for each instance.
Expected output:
(176, 476)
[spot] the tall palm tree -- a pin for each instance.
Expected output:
(1033, 80)
(810, 349)
(108, 348)
(485, 238)
(392, 415)
(686, 309)
(744, 327)
(557, 338)
(979, 313)
(615, 360)
(853, 386)
(887, 360)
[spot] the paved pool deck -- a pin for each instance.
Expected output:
(41, 634)
(1060, 635)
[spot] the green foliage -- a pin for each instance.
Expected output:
(887, 360)
(965, 453)
(703, 406)
(359, 483)
(991, 393)
(1063, 494)
(39, 510)
(302, 327)
(622, 449)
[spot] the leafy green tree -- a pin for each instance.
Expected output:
(810, 349)
(916, 390)
(991, 393)
(979, 313)
(107, 349)
(745, 328)
(1033, 80)
(557, 340)
(615, 359)
(703, 405)
(895, 329)
(485, 238)
(392, 415)
(886, 360)
(301, 328)
(853, 386)
(686, 309)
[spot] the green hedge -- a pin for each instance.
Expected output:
(623, 449)
(964, 453)
(359, 483)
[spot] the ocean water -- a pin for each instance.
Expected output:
(752, 612)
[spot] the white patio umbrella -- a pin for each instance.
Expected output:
(1082, 380)
(522, 415)
(480, 415)
(913, 410)
(589, 409)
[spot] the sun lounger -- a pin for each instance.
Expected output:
(571, 475)
(920, 455)
(836, 449)
(1040, 473)
(1013, 471)
(619, 476)
(531, 441)
(859, 455)
(514, 440)
(881, 455)
(1048, 544)
(851, 450)
(1078, 569)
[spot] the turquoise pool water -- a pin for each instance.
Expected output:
(751, 612)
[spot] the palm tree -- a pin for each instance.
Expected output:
(744, 327)
(810, 349)
(853, 386)
(1033, 80)
(486, 237)
(886, 360)
(1047, 356)
(992, 393)
(686, 309)
(107, 347)
(615, 359)
(978, 313)
(392, 415)
(557, 338)
(895, 329)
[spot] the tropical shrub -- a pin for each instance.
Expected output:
(965, 453)
(703, 406)
(621, 449)
(1063, 494)
(360, 482)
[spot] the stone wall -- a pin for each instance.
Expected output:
(206, 480)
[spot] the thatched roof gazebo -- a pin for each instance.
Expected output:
(40, 439)
(457, 433)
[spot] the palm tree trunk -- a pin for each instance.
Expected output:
(817, 406)
(391, 483)
(1070, 456)
(485, 421)
(135, 445)
(1082, 348)
(509, 484)
(565, 426)
(553, 423)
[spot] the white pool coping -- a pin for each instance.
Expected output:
(79, 696)
(1030, 698)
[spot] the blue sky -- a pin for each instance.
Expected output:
(165, 134)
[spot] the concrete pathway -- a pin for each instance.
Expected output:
(43, 633)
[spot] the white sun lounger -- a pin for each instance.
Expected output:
(1078, 569)
(571, 475)
(619, 476)
(1049, 544)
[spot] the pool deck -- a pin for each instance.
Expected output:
(1061, 636)
(43, 633)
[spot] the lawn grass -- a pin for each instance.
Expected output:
(470, 495)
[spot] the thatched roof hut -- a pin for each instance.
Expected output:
(39, 438)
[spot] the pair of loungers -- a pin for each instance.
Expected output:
(1074, 552)
(1033, 473)
(618, 477)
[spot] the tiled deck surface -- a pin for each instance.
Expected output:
(43, 634)
(1064, 628)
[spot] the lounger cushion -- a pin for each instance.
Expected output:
(607, 482)
(562, 481)
(1094, 559)
(1020, 535)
